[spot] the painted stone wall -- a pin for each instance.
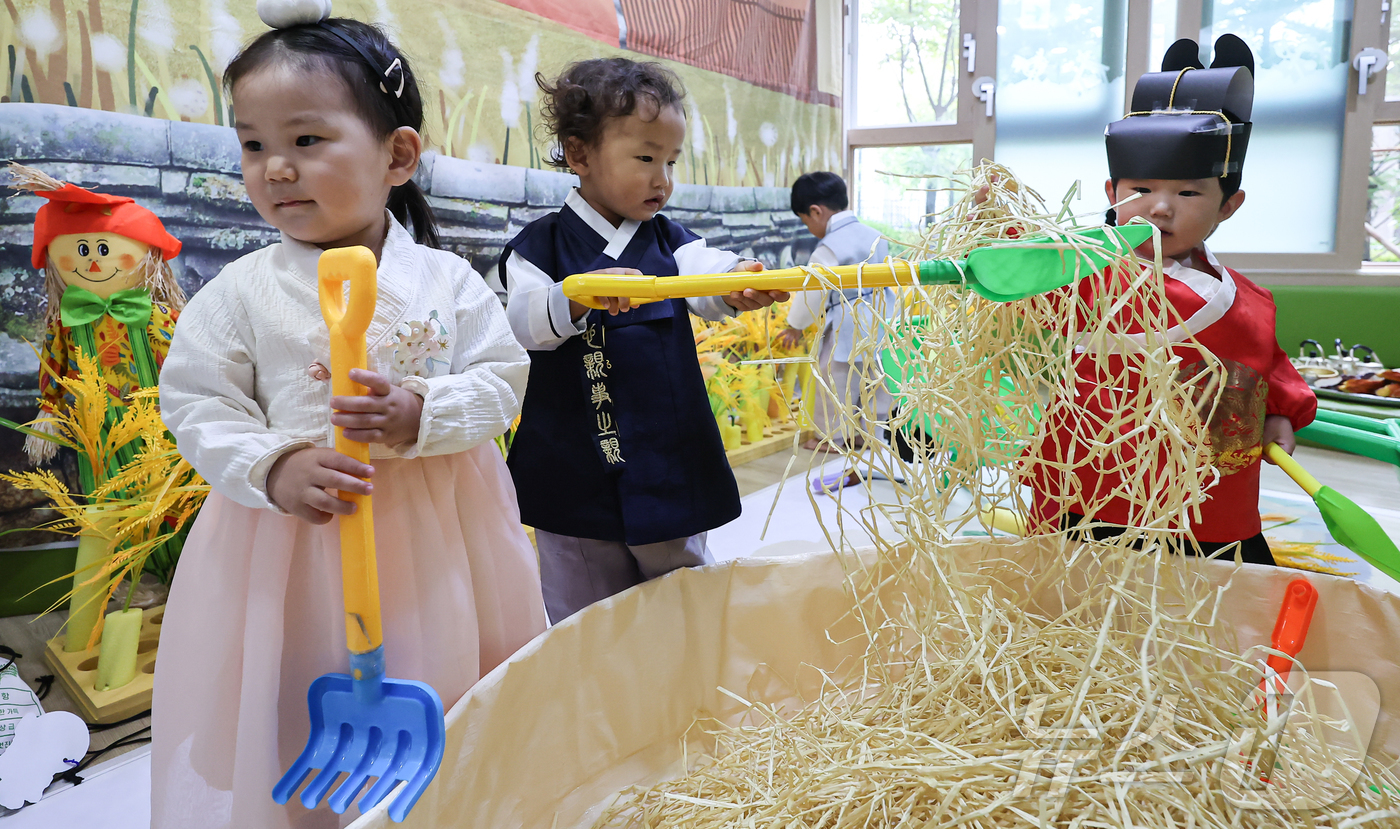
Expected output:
(188, 174)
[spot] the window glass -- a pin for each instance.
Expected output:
(907, 62)
(1163, 32)
(896, 189)
(1383, 203)
(1392, 74)
(1059, 83)
(1293, 168)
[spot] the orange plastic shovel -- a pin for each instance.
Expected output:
(1291, 629)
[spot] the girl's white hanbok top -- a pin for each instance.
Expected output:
(255, 611)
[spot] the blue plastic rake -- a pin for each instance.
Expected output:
(404, 743)
(364, 724)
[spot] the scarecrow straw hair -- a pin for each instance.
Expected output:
(32, 179)
(1053, 681)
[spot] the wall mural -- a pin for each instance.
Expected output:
(124, 96)
(763, 104)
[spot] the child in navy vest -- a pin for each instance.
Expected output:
(617, 461)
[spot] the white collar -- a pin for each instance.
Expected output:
(839, 220)
(304, 256)
(1218, 296)
(395, 293)
(618, 238)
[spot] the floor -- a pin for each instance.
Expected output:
(780, 518)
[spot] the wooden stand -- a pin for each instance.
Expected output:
(77, 673)
(780, 439)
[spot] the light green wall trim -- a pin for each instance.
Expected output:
(1357, 314)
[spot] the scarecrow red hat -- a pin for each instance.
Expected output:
(75, 210)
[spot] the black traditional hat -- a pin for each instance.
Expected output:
(1187, 122)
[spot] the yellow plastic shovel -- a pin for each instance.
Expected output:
(1350, 525)
(362, 724)
(1000, 272)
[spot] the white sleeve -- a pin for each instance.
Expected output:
(208, 401)
(697, 258)
(482, 395)
(536, 308)
(807, 305)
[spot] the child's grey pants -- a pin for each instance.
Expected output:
(576, 572)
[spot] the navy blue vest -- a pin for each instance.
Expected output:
(675, 480)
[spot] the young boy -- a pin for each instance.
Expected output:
(819, 200)
(1181, 151)
(617, 461)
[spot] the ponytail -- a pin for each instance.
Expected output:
(410, 206)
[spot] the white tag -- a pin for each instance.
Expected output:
(43, 746)
(16, 700)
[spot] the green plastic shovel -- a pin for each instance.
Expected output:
(1350, 525)
(1001, 272)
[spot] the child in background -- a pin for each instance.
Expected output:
(328, 113)
(819, 200)
(617, 461)
(1180, 151)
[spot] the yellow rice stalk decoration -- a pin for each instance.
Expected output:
(130, 513)
(740, 392)
(1047, 682)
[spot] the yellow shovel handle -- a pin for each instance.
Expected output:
(348, 324)
(585, 288)
(1299, 475)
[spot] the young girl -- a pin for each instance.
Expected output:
(328, 114)
(617, 461)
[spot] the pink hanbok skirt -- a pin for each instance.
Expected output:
(255, 614)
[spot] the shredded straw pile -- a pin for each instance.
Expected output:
(1052, 681)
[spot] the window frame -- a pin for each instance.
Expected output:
(1343, 266)
(975, 17)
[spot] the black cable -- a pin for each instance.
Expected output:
(132, 739)
(11, 655)
(95, 729)
(45, 684)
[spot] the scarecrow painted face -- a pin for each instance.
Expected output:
(103, 263)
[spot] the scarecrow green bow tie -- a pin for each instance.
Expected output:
(81, 306)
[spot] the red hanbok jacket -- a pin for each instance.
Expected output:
(1233, 319)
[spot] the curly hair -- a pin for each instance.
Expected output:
(579, 102)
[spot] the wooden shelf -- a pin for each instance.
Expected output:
(782, 438)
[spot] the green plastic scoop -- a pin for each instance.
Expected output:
(1001, 272)
(1349, 524)
(1370, 438)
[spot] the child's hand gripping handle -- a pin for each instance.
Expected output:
(348, 323)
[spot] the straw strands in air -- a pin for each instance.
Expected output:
(1053, 681)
